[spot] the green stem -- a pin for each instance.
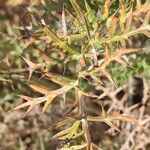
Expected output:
(124, 36)
(61, 43)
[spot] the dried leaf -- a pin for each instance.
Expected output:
(64, 25)
(32, 67)
(28, 43)
(81, 63)
(146, 19)
(106, 8)
(113, 26)
(32, 102)
(120, 52)
(57, 92)
(27, 98)
(138, 4)
(122, 14)
(95, 146)
(113, 126)
(129, 20)
(13, 3)
(111, 118)
(87, 136)
(40, 89)
(103, 113)
(30, 64)
(97, 80)
(48, 102)
(108, 75)
(121, 61)
(59, 79)
(123, 117)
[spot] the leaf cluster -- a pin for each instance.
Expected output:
(89, 42)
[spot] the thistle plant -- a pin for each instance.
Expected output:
(77, 55)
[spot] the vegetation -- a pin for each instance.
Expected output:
(71, 60)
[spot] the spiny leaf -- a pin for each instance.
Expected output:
(144, 8)
(108, 75)
(109, 22)
(88, 95)
(112, 126)
(85, 128)
(31, 64)
(57, 92)
(64, 25)
(113, 26)
(64, 122)
(147, 33)
(28, 43)
(146, 19)
(77, 9)
(68, 133)
(104, 114)
(59, 79)
(32, 67)
(75, 37)
(52, 35)
(40, 89)
(95, 146)
(44, 55)
(75, 147)
(30, 108)
(90, 13)
(60, 43)
(118, 116)
(112, 117)
(115, 56)
(31, 102)
(80, 15)
(122, 14)
(106, 8)
(129, 20)
(120, 52)
(81, 63)
(48, 101)
(27, 98)
(97, 80)
(28, 103)
(73, 18)
(121, 61)
(107, 58)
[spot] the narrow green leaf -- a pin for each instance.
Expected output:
(80, 15)
(90, 13)
(68, 133)
(60, 43)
